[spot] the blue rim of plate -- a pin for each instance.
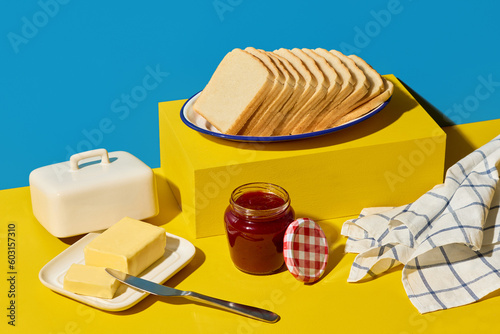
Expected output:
(188, 104)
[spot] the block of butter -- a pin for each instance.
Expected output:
(129, 246)
(90, 281)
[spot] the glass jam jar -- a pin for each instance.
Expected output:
(256, 220)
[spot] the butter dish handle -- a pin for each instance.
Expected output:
(75, 158)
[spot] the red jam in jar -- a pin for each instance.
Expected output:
(256, 220)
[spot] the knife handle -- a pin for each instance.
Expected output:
(249, 311)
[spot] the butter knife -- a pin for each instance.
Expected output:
(162, 290)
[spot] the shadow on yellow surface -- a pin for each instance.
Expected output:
(456, 145)
(169, 208)
(72, 240)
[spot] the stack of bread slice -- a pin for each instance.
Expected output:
(289, 91)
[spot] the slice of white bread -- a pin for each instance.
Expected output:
(360, 89)
(334, 83)
(282, 100)
(278, 115)
(309, 111)
(348, 80)
(310, 84)
(273, 96)
(369, 105)
(336, 93)
(236, 89)
(374, 78)
(347, 87)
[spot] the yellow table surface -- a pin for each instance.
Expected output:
(331, 305)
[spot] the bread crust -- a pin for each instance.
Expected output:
(347, 87)
(360, 89)
(272, 95)
(369, 105)
(237, 88)
(309, 90)
(301, 118)
(292, 101)
(374, 78)
(333, 83)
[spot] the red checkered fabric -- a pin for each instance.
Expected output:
(305, 250)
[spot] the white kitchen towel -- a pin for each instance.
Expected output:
(448, 240)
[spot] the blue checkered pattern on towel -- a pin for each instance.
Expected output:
(448, 240)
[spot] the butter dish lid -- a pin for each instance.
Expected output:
(92, 191)
(88, 169)
(305, 249)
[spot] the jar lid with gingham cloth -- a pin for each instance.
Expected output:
(305, 249)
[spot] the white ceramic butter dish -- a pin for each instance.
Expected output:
(91, 192)
(178, 253)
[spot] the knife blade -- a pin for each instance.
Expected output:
(162, 290)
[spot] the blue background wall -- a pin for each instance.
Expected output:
(78, 75)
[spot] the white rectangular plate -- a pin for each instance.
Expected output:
(178, 253)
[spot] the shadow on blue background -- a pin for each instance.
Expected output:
(79, 75)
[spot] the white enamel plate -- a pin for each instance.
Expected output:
(196, 122)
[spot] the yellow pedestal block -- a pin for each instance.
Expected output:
(389, 159)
